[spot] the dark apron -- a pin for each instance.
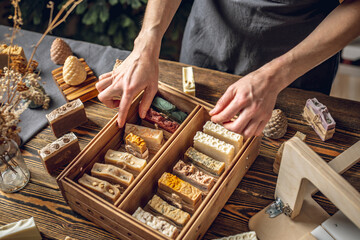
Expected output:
(240, 36)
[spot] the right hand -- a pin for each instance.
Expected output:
(118, 88)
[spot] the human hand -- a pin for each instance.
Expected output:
(119, 87)
(253, 97)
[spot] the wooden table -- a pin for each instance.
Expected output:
(42, 199)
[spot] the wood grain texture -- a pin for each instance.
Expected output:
(42, 199)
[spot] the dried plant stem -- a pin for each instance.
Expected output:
(55, 22)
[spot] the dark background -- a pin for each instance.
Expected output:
(105, 22)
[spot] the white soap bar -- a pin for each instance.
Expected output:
(242, 236)
(220, 132)
(188, 81)
(213, 147)
(25, 229)
(125, 161)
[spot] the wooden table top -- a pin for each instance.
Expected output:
(42, 199)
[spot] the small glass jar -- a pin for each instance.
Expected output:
(14, 175)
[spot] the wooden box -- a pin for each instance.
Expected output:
(117, 218)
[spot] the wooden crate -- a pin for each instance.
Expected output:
(117, 218)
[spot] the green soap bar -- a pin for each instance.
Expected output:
(162, 105)
(178, 116)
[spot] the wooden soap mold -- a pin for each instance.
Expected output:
(85, 91)
(118, 220)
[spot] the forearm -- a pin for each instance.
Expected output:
(340, 27)
(158, 16)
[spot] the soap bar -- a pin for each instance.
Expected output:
(220, 132)
(67, 117)
(194, 176)
(162, 121)
(136, 142)
(172, 184)
(100, 187)
(59, 153)
(188, 81)
(15, 50)
(214, 147)
(125, 161)
(209, 164)
(159, 225)
(112, 174)
(152, 137)
(169, 109)
(25, 229)
(242, 236)
(318, 116)
(175, 214)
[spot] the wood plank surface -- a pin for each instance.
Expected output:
(42, 199)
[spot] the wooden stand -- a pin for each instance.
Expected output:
(301, 170)
(85, 91)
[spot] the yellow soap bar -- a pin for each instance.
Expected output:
(152, 137)
(136, 142)
(172, 184)
(173, 213)
(125, 161)
(112, 174)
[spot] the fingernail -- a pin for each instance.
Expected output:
(142, 114)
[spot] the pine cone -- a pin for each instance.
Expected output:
(74, 71)
(59, 51)
(277, 125)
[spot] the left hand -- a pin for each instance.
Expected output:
(253, 97)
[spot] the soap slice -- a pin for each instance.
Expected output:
(125, 161)
(152, 137)
(194, 176)
(169, 109)
(173, 213)
(242, 236)
(100, 187)
(214, 147)
(163, 122)
(188, 81)
(25, 229)
(220, 132)
(136, 142)
(172, 184)
(209, 164)
(159, 225)
(112, 174)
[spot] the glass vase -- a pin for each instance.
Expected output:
(14, 175)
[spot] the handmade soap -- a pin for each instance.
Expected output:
(162, 121)
(175, 214)
(74, 72)
(277, 125)
(209, 164)
(220, 132)
(318, 116)
(100, 187)
(25, 229)
(59, 153)
(194, 176)
(112, 174)
(169, 109)
(125, 161)
(59, 51)
(242, 236)
(172, 184)
(214, 147)
(67, 117)
(136, 142)
(14, 50)
(159, 225)
(152, 137)
(188, 81)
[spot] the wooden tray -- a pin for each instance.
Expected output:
(85, 91)
(117, 218)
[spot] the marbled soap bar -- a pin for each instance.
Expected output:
(209, 164)
(172, 184)
(163, 122)
(152, 137)
(188, 81)
(169, 109)
(100, 187)
(59, 153)
(214, 147)
(112, 174)
(194, 176)
(125, 161)
(318, 116)
(173, 213)
(220, 132)
(159, 225)
(67, 117)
